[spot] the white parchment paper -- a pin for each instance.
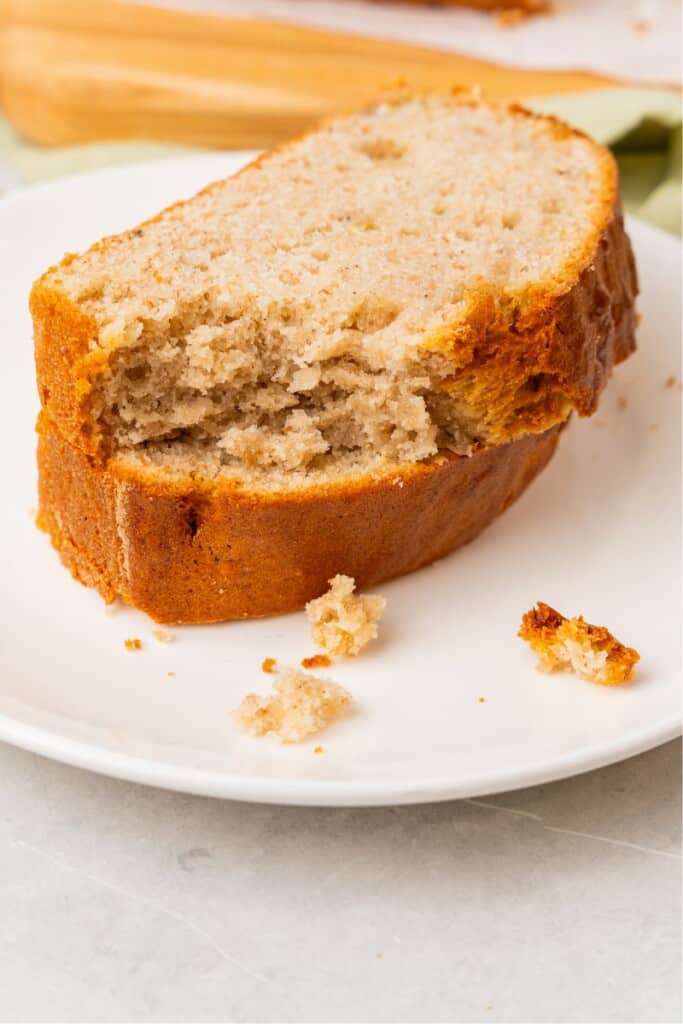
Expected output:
(633, 40)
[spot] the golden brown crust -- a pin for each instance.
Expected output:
(591, 651)
(186, 551)
(522, 359)
(65, 365)
(520, 363)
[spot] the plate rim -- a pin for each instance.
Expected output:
(325, 792)
(154, 771)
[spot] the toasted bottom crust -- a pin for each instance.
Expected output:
(184, 551)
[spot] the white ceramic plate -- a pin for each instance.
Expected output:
(598, 533)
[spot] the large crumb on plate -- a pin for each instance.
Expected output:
(343, 622)
(590, 651)
(301, 706)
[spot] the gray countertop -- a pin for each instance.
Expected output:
(556, 903)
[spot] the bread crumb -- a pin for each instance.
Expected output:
(316, 661)
(482, 700)
(342, 623)
(301, 706)
(512, 17)
(673, 382)
(318, 750)
(162, 636)
(170, 673)
(590, 651)
(641, 25)
(622, 403)
(133, 643)
(268, 665)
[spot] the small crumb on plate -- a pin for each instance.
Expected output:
(133, 643)
(316, 661)
(511, 18)
(162, 636)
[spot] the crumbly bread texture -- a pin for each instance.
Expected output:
(589, 651)
(301, 706)
(434, 274)
(343, 623)
(203, 551)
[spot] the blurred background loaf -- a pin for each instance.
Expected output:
(87, 84)
(217, 74)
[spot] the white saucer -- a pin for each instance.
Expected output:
(597, 534)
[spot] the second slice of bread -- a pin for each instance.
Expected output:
(201, 550)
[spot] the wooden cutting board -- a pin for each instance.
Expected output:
(86, 70)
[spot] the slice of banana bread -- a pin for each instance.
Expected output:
(426, 279)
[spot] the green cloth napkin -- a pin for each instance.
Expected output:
(25, 163)
(641, 126)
